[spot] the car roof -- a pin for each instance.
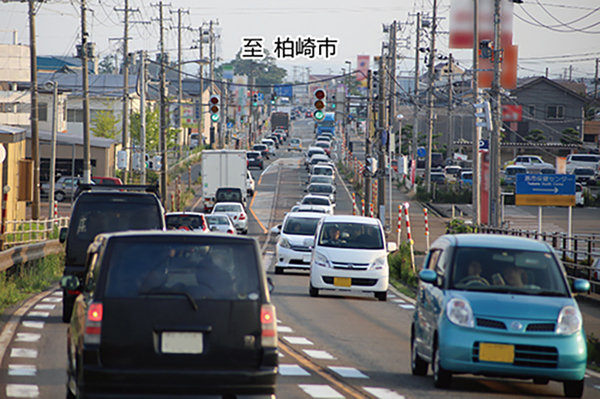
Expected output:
(184, 214)
(172, 234)
(228, 203)
(304, 215)
(350, 219)
(497, 241)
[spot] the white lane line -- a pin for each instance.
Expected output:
(23, 352)
(284, 329)
(28, 337)
(407, 307)
(281, 354)
(347, 372)
(383, 393)
(391, 296)
(33, 324)
(320, 391)
(58, 293)
(315, 354)
(38, 314)
(44, 307)
(278, 321)
(398, 301)
(52, 299)
(22, 391)
(292, 370)
(22, 370)
(298, 341)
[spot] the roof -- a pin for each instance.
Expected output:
(350, 219)
(541, 80)
(103, 84)
(499, 241)
(77, 139)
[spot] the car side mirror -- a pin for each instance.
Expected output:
(581, 285)
(428, 276)
(62, 235)
(276, 229)
(392, 246)
(70, 283)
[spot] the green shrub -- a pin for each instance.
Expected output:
(401, 268)
(458, 226)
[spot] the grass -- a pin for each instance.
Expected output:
(25, 280)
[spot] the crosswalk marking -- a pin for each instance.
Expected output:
(391, 296)
(27, 337)
(284, 329)
(22, 370)
(320, 391)
(347, 372)
(316, 354)
(43, 306)
(292, 370)
(398, 301)
(383, 393)
(298, 341)
(52, 299)
(407, 307)
(23, 352)
(33, 324)
(38, 314)
(58, 293)
(22, 391)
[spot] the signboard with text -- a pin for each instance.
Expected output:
(545, 190)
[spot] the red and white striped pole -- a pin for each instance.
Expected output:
(4, 202)
(426, 228)
(353, 204)
(363, 206)
(399, 229)
(409, 236)
(371, 209)
(55, 210)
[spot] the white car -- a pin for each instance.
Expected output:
(221, 223)
(295, 234)
(249, 183)
(295, 144)
(325, 190)
(325, 202)
(236, 212)
(312, 151)
(270, 145)
(324, 169)
(350, 254)
(321, 179)
(579, 200)
(533, 163)
(310, 208)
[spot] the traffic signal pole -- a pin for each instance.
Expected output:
(381, 119)
(495, 194)
(368, 124)
(476, 201)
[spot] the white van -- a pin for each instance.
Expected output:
(583, 161)
(350, 254)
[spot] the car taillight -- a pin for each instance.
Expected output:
(73, 292)
(242, 217)
(268, 322)
(93, 324)
(230, 231)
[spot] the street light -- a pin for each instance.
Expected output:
(52, 85)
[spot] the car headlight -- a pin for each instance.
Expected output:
(459, 312)
(569, 321)
(378, 264)
(284, 242)
(321, 260)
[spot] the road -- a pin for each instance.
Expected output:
(332, 346)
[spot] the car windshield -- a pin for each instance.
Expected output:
(323, 171)
(301, 226)
(294, 141)
(323, 144)
(208, 269)
(253, 154)
(350, 235)
(315, 201)
(191, 222)
(227, 208)
(584, 172)
(215, 220)
(320, 188)
(507, 271)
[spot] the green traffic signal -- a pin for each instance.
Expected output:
(214, 117)
(319, 115)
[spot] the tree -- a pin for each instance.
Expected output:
(107, 65)
(570, 136)
(105, 123)
(152, 130)
(535, 136)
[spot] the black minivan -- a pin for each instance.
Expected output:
(169, 315)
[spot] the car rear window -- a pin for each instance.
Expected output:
(208, 269)
(217, 220)
(191, 222)
(315, 201)
(227, 208)
(229, 195)
(301, 226)
(320, 188)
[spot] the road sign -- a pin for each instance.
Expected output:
(421, 152)
(545, 190)
(284, 90)
(484, 145)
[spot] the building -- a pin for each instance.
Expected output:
(15, 107)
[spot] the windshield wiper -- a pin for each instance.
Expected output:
(181, 293)
(551, 293)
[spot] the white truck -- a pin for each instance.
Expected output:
(220, 169)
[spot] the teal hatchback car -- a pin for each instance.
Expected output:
(498, 306)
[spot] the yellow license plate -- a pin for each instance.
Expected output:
(499, 353)
(342, 281)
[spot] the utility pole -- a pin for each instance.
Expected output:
(416, 94)
(382, 120)
(430, 99)
(201, 95)
(35, 138)
(163, 113)
(495, 151)
(596, 80)
(392, 122)
(368, 133)
(180, 136)
(250, 141)
(449, 146)
(212, 75)
(87, 175)
(476, 201)
(143, 116)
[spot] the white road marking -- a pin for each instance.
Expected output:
(398, 301)
(42, 306)
(38, 314)
(597, 387)
(320, 391)
(315, 354)
(407, 307)
(391, 296)
(292, 370)
(278, 321)
(27, 337)
(281, 354)
(22, 370)
(33, 324)
(284, 329)
(298, 341)
(348, 372)
(383, 393)
(58, 293)
(23, 352)
(52, 299)
(22, 391)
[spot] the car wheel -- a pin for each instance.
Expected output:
(67, 309)
(59, 196)
(245, 231)
(417, 365)
(382, 296)
(541, 381)
(442, 378)
(278, 270)
(573, 389)
(314, 292)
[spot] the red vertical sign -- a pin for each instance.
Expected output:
(485, 187)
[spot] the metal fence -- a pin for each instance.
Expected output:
(31, 231)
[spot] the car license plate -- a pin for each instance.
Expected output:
(306, 258)
(499, 353)
(181, 342)
(342, 281)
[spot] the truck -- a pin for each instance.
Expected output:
(222, 169)
(280, 120)
(326, 125)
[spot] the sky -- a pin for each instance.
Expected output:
(563, 36)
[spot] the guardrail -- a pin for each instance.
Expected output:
(31, 231)
(27, 253)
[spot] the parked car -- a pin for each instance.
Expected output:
(533, 163)
(255, 159)
(295, 144)
(579, 199)
(164, 314)
(585, 176)
(311, 199)
(220, 222)
(110, 181)
(466, 178)
(452, 170)
(511, 172)
(236, 212)
(350, 253)
(249, 183)
(295, 233)
(582, 161)
(438, 178)
(188, 221)
(498, 306)
(65, 188)
(263, 149)
(325, 190)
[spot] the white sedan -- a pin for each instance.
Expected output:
(236, 213)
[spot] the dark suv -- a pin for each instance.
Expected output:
(114, 208)
(172, 314)
(230, 194)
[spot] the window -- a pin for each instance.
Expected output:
(531, 110)
(43, 112)
(555, 112)
(75, 115)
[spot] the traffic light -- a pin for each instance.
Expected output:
(486, 49)
(485, 114)
(254, 99)
(375, 92)
(214, 107)
(333, 101)
(273, 98)
(319, 101)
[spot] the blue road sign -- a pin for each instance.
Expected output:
(284, 90)
(484, 145)
(541, 184)
(421, 152)
(229, 125)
